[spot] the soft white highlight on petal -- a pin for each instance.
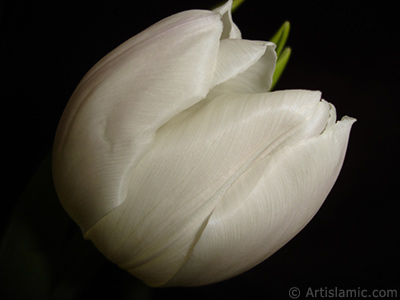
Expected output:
(195, 159)
(112, 116)
(267, 206)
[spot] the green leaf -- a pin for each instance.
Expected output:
(236, 4)
(280, 37)
(283, 54)
(280, 65)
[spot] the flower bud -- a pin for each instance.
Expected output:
(178, 163)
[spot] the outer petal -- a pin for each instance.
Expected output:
(266, 207)
(257, 77)
(256, 59)
(231, 31)
(195, 159)
(111, 119)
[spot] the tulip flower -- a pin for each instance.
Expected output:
(180, 165)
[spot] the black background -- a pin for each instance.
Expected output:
(346, 49)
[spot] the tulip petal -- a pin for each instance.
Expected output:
(194, 160)
(110, 120)
(231, 31)
(256, 79)
(267, 206)
(237, 56)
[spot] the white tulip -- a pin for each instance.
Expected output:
(178, 163)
